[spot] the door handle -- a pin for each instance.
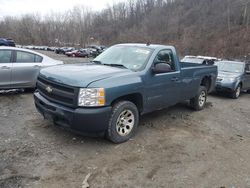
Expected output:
(5, 67)
(36, 66)
(175, 79)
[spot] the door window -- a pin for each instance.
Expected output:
(5, 56)
(26, 57)
(38, 59)
(165, 56)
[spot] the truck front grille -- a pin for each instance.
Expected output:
(57, 92)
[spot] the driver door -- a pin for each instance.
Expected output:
(163, 89)
(6, 58)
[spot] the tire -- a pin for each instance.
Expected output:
(236, 93)
(248, 91)
(120, 129)
(199, 101)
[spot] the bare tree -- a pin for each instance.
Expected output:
(212, 27)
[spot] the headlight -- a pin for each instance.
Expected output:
(229, 79)
(91, 97)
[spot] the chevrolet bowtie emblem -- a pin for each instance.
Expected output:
(49, 89)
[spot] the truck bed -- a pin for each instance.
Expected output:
(198, 68)
(192, 72)
(187, 65)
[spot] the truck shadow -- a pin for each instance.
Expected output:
(16, 92)
(180, 110)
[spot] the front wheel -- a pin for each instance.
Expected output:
(199, 101)
(236, 93)
(123, 122)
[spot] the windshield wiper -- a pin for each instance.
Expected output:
(115, 65)
(224, 71)
(97, 62)
(108, 64)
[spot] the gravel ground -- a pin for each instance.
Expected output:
(176, 147)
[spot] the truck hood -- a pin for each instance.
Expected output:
(81, 75)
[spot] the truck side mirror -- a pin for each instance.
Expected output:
(161, 68)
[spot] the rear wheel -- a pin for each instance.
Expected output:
(199, 101)
(236, 93)
(123, 122)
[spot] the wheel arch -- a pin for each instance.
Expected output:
(135, 98)
(206, 81)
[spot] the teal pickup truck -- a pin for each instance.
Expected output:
(107, 96)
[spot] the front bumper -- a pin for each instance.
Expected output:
(82, 120)
(225, 87)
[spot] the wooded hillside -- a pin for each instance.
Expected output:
(197, 27)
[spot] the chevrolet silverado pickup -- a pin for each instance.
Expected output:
(107, 96)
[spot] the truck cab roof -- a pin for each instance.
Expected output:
(150, 46)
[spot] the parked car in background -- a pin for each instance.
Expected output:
(30, 47)
(51, 48)
(7, 42)
(95, 50)
(78, 53)
(19, 68)
(18, 46)
(105, 97)
(205, 60)
(103, 47)
(64, 50)
(233, 77)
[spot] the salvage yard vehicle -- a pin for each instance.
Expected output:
(233, 77)
(107, 95)
(64, 50)
(78, 53)
(205, 60)
(7, 42)
(95, 50)
(19, 68)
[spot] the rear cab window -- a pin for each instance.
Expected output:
(166, 56)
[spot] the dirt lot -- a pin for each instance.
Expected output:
(176, 147)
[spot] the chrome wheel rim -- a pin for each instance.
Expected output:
(238, 92)
(125, 123)
(202, 98)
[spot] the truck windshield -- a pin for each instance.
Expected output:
(131, 57)
(230, 67)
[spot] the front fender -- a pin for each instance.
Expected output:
(232, 86)
(237, 83)
(119, 87)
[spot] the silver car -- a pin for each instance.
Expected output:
(19, 68)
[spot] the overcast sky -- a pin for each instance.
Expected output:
(19, 7)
